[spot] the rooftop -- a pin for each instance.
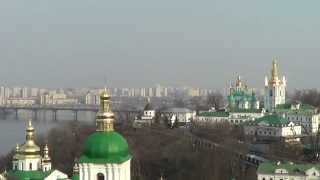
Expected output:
(296, 108)
(214, 114)
(291, 168)
(271, 120)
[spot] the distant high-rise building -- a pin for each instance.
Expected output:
(131, 92)
(2, 95)
(165, 92)
(150, 92)
(158, 91)
(34, 92)
(42, 91)
(16, 92)
(143, 92)
(24, 92)
(194, 92)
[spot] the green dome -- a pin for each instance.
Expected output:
(105, 147)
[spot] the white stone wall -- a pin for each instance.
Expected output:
(310, 123)
(24, 165)
(110, 171)
(280, 177)
(234, 118)
(290, 131)
(46, 166)
(269, 131)
(150, 113)
(213, 119)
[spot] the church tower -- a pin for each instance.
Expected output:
(105, 153)
(46, 160)
(27, 156)
(28, 163)
(275, 89)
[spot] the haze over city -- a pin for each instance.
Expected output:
(140, 43)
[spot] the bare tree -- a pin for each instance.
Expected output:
(216, 100)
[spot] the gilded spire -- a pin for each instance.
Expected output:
(274, 71)
(238, 82)
(30, 133)
(17, 148)
(105, 116)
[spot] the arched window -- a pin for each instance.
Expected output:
(30, 166)
(100, 176)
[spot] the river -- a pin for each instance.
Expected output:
(12, 131)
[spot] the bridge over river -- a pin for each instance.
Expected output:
(54, 109)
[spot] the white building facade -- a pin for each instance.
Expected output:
(148, 116)
(288, 171)
(273, 127)
(305, 115)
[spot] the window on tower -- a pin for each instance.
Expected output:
(271, 94)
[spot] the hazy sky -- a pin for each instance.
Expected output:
(80, 43)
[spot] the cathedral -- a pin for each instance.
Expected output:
(241, 97)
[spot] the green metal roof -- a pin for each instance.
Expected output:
(29, 175)
(75, 177)
(105, 147)
(271, 120)
(304, 109)
(237, 110)
(215, 114)
(242, 96)
(302, 106)
(292, 168)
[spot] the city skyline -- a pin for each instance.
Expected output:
(83, 44)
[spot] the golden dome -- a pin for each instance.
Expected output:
(29, 148)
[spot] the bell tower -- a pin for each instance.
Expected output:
(275, 89)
